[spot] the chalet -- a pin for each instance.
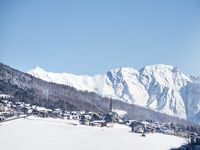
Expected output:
(85, 119)
(111, 117)
(27, 105)
(41, 111)
(57, 113)
(149, 128)
(66, 116)
(94, 119)
(75, 115)
(95, 116)
(82, 112)
(19, 106)
(137, 127)
(5, 107)
(27, 110)
(6, 103)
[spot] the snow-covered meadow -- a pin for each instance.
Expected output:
(56, 134)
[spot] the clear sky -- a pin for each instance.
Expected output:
(90, 37)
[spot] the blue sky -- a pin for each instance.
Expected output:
(90, 37)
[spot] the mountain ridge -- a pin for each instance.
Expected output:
(159, 87)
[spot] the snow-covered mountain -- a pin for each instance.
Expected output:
(163, 88)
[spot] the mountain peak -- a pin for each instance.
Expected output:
(36, 70)
(159, 67)
(124, 70)
(39, 73)
(39, 69)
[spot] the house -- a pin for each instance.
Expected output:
(5, 106)
(95, 116)
(94, 119)
(27, 110)
(142, 127)
(85, 119)
(75, 115)
(6, 103)
(82, 112)
(41, 111)
(111, 117)
(27, 105)
(19, 106)
(137, 127)
(66, 116)
(57, 113)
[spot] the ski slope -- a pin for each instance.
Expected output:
(56, 134)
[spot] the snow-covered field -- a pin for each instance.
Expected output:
(56, 134)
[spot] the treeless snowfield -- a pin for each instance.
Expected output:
(57, 134)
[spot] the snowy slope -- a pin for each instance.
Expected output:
(99, 83)
(56, 134)
(163, 88)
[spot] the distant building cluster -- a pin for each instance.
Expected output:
(10, 110)
(156, 127)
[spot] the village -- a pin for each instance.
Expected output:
(10, 110)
